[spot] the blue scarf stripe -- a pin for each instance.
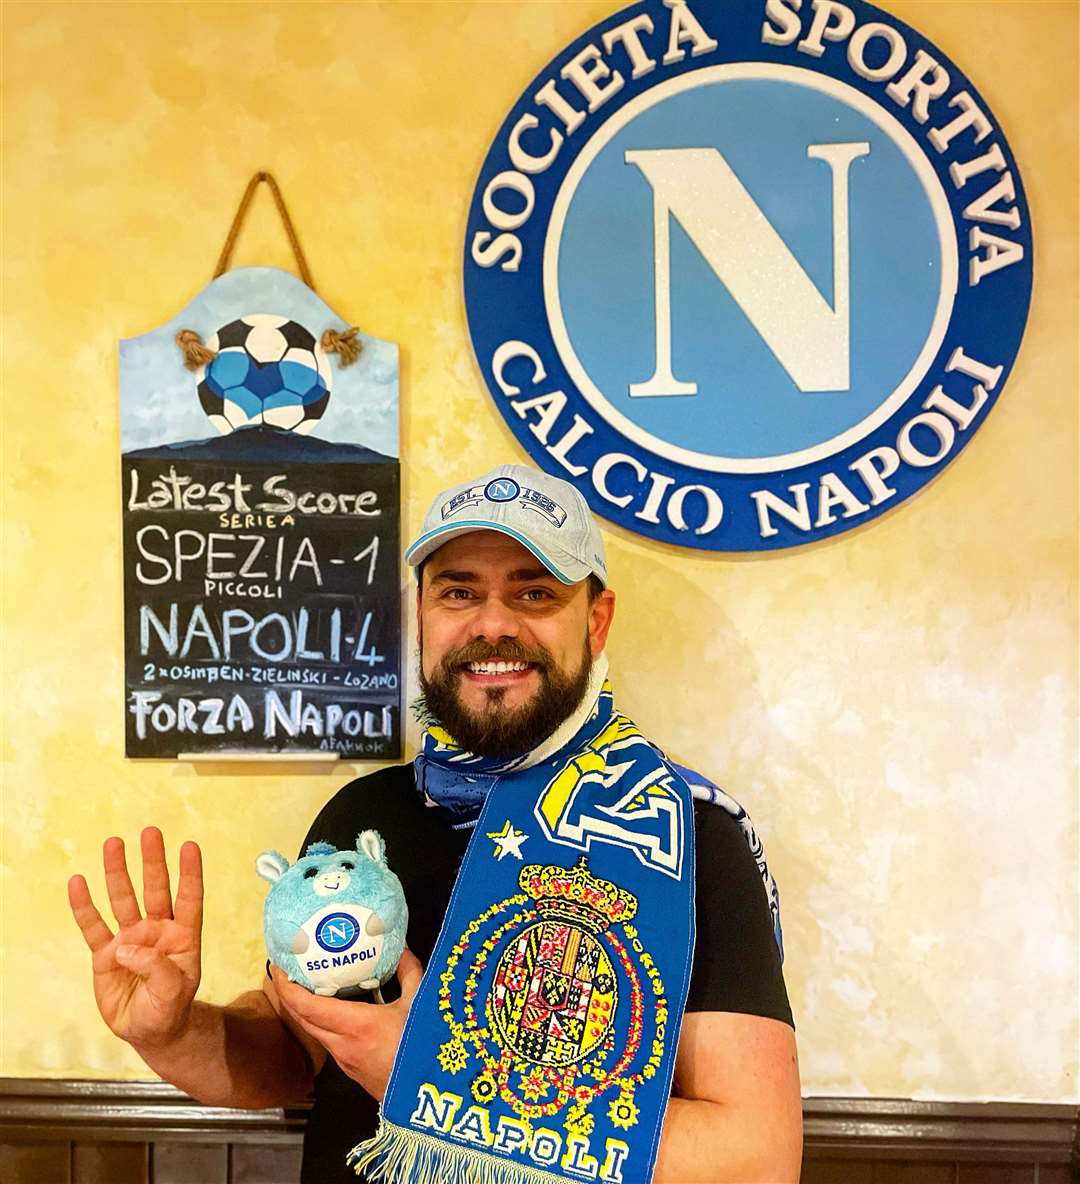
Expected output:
(706, 791)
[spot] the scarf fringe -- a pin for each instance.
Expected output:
(397, 1155)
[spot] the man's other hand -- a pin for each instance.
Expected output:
(147, 972)
(362, 1037)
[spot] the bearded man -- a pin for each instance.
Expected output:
(529, 784)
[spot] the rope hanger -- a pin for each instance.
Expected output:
(282, 209)
(344, 343)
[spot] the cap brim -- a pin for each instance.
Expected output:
(562, 566)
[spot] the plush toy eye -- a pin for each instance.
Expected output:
(348, 866)
(311, 873)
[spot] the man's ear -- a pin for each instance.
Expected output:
(601, 614)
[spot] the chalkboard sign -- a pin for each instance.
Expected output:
(261, 532)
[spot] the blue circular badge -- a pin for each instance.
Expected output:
(502, 489)
(337, 932)
(748, 275)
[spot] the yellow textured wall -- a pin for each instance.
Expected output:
(896, 708)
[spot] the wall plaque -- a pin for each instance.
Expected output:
(750, 274)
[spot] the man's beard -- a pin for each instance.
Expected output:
(494, 731)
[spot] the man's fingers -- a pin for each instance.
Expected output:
(157, 898)
(189, 893)
(324, 1012)
(144, 934)
(121, 894)
(95, 932)
(163, 978)
(409, 972)
(329, 1040)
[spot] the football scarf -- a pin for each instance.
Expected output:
(541, 1044)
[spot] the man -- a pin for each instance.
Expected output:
(513, 614)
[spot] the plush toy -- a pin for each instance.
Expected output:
(335, 920)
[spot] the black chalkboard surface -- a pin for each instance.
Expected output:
(262, 597)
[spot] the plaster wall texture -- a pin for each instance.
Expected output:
(897, 708)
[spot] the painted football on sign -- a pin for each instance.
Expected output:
(749, 274)
(266, 370)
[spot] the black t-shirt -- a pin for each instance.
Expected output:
(736, 965)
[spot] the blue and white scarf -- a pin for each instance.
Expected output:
(541, 1044)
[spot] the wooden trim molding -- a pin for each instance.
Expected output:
(898, 1128)
(835, 1128)
(142, 1111)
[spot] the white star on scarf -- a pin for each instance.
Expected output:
(508, 841)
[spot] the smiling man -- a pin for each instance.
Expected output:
(506, 648)
(529, 782)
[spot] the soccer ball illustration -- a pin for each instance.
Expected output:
(268, 371)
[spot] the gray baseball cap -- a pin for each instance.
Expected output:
(543, 513)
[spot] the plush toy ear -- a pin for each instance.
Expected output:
(370, 843)
(271, 866)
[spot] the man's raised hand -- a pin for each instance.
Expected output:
(146, 974)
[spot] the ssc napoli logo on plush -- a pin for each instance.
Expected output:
(749, 273)
(502, 489)
(336, 932)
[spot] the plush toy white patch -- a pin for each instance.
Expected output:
(335, 921)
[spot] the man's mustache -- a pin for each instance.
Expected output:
(508, 650)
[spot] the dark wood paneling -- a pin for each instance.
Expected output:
(189, 1163)
(836, 1171)
(132, 1111)
(252, 1164)
(35, 1163)
(150, 1133)
(906, 1171)
(110, 1163)
(901, 1129)
(996, 1173)
(898, 1171)
(1056, 1173)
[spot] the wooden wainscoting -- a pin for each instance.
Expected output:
(141, 1132)
(898, 1141)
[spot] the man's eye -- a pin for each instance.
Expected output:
(536, 594)
(457, 594)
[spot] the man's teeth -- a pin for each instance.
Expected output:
(497, 667)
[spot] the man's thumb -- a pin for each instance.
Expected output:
(162, 977)
(409, 972)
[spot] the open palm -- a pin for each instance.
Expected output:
(147, 972)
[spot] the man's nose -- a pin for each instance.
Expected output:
(493, 619)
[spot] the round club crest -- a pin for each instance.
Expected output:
(502, 489)
(337, 932)
(750, 275)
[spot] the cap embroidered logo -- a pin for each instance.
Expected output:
(503, 489)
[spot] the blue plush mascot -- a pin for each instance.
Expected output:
(335, 921)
